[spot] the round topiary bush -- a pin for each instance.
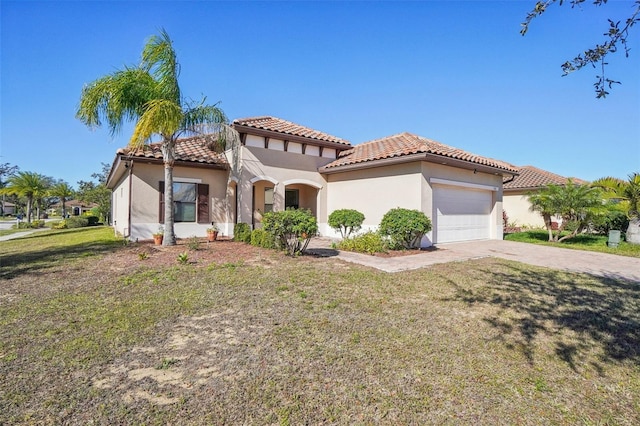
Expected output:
(405, 228)
(346, 221)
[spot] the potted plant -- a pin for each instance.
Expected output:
(158, 236)
(212, 232)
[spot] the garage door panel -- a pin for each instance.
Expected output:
(462, 214)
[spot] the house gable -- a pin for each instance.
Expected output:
(281, 135)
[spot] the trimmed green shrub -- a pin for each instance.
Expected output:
(33, 225)
(405, 228)
(62, 224)
(92, 220)
(242, 232)
(370, 242)
(346, 221)
(292, 228)
(613, 219)
(261, 238)
(77, 222)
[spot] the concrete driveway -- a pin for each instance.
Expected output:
(599, 264)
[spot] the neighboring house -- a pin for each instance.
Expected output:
(8, 208)
(516, 195)
(73, 207)
(279, 164)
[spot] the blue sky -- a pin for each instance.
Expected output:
(455, 71)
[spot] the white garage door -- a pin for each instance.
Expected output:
(462, 214)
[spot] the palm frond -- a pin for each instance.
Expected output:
(610, 185)
(162, 117)
(116, 98)
(26, 184)
(210, 122)
(159, 59)
(204, 119)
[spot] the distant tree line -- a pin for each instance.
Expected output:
(31, 195)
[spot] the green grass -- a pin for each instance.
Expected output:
(308, 341)
(11, 231)
(42, 249)
(581, 242)
(3, 232)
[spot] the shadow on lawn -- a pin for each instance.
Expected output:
(30, 262)
(604, 312)
(580, 239)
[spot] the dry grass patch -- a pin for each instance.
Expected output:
(267, 339)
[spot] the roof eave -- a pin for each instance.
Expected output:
(431, 158)
(121, 160)
(186, 163)
(469, 165)
(241, 128)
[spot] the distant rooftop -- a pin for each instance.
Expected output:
(531, 177)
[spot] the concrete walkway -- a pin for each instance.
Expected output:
(599, 264)
(22, 234)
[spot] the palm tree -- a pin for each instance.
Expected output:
(62, 191)
(627, 194)
(150, 96)
(30, 185)
(572, 202)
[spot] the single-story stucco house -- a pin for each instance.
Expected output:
(278, 164)
(73, 208)
(516, 195)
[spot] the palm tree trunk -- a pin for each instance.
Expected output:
(29, 206)
(547, 222)
(168, 154)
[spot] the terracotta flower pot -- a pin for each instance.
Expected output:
(212, 235)
(157, 239)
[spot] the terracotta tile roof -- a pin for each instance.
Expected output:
(532, 177)
(406, 144)
(288, 128)
(193, 149)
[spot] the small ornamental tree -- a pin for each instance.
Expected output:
(575, 203)
(624, 196)
(346, 221)
(405, 227)
(292, 228)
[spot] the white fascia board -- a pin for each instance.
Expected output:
(463, 184)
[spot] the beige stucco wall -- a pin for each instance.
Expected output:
(517, 206)
(374, 191)
(120, 206)
(280, 170)
(145, 199)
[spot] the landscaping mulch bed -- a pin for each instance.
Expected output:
(219, 251)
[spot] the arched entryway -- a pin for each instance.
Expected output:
(301, 194)
(265, 197)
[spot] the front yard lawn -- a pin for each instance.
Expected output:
(581, 242)
(91, 331)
